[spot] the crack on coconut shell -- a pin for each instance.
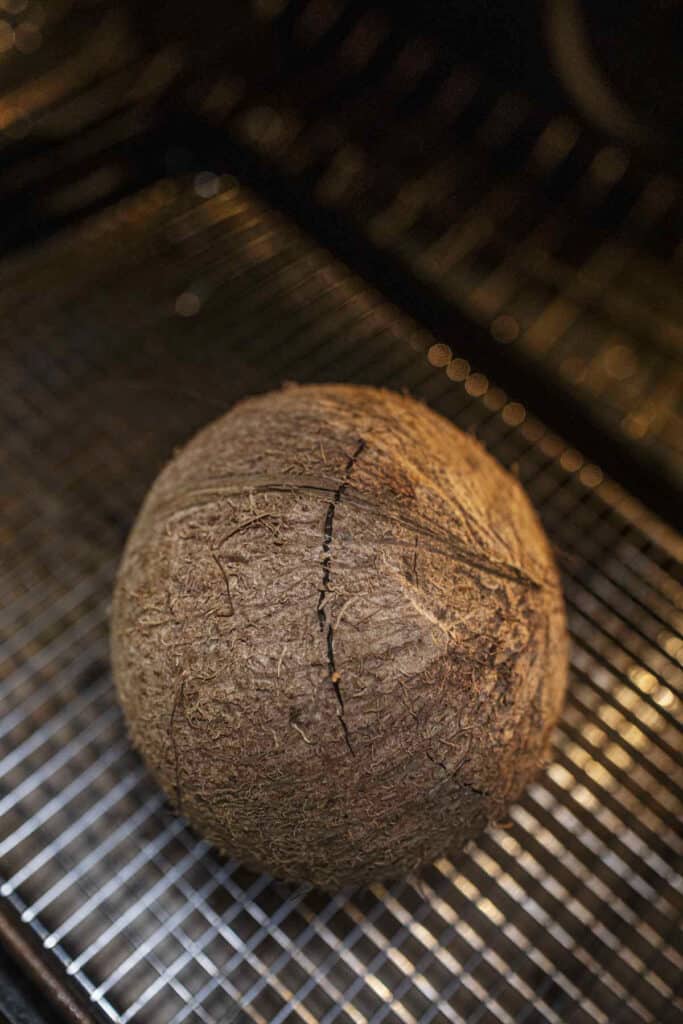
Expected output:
(326, 626)
(435, 760)
(415, 579)
(257, 484)
(242, 526)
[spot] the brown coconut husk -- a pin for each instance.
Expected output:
(338, 635)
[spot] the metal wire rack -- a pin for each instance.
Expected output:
(119, 339)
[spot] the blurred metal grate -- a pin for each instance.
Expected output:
(557, 244)
(119, 339)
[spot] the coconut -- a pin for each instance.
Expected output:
(338, 635)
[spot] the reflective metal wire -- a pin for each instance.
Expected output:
(568, 914)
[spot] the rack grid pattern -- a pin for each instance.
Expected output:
(119, 339)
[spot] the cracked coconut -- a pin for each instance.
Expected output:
(338, 635)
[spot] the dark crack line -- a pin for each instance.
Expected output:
(435, 760)
(325, 623)
(452, 548)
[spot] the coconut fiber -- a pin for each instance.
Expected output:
(338, 635)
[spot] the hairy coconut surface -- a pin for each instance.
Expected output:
(338, 634)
